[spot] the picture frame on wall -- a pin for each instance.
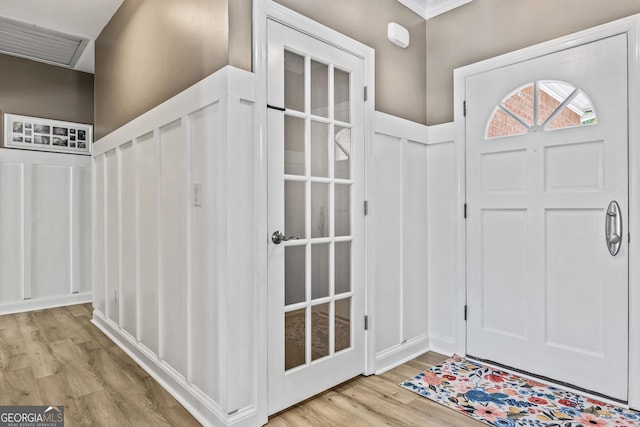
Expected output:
(34, 133)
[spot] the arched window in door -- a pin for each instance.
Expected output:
(540, 106)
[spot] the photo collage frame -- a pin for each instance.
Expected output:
(33, 133)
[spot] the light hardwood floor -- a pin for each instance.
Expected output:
(375, 401)
(57, 357)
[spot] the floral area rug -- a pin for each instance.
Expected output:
(501, 399)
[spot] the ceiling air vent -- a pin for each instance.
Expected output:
(40, 44)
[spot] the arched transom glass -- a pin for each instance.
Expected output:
(540, 106)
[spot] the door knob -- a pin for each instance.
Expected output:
(277, 237)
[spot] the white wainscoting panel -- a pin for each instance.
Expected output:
(129, 297)
(45, 230)
(147, 240)
(11, 230)
(173, 248)
(441, 219)
(397, 240)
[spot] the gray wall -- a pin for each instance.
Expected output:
(486, 28)
(36, 89)
(152, 50)
(400, 73)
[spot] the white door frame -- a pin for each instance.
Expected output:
(631, 27)
(263, 10)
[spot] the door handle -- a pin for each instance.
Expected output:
(277, 237)
(613, 228)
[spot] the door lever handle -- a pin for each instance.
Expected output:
(277, 237)
(613, 228)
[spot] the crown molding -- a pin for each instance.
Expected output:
(437, 7)
(430, 8)
(418, 6)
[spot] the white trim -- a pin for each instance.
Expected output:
(634, 213)
(205, 410)
(439, 134)
(263, 10)
(417, 6)
(45, 302)
(630, 26)
(401, 353)
(27, 209)
(442, 345)
(438, 7)
(430, 9)
(394, 126)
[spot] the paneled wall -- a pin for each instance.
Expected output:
(173, 247)
(398, 240)
(442, 245)
(45, 230)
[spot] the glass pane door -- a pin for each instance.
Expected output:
(315, 148)
(317, 206)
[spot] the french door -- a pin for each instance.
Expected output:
(547, 194)
(315, 216)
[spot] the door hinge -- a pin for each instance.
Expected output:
(366, 322)
(465, 312)
(366, 94)
(465, 211)
(366, 207)
(464, 108)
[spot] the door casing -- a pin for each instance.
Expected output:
(631, 27)
(262, 11)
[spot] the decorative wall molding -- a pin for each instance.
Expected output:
(438, 7)
(44, 303)
(441, 252)
(397, 272)
(401, 353)
(45, 229)
(442, 345)
(173, 260)
(441, 133)
(418, 6)
(431, 8)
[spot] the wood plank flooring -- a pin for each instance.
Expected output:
(57, 357)
(375, 401)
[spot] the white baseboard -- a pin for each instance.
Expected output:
(43, 303)
(401, 353)
(206, 411)
(442, 345)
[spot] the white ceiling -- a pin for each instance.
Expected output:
(84, 18)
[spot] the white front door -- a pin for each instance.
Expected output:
(546, 154)
(315, 191)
